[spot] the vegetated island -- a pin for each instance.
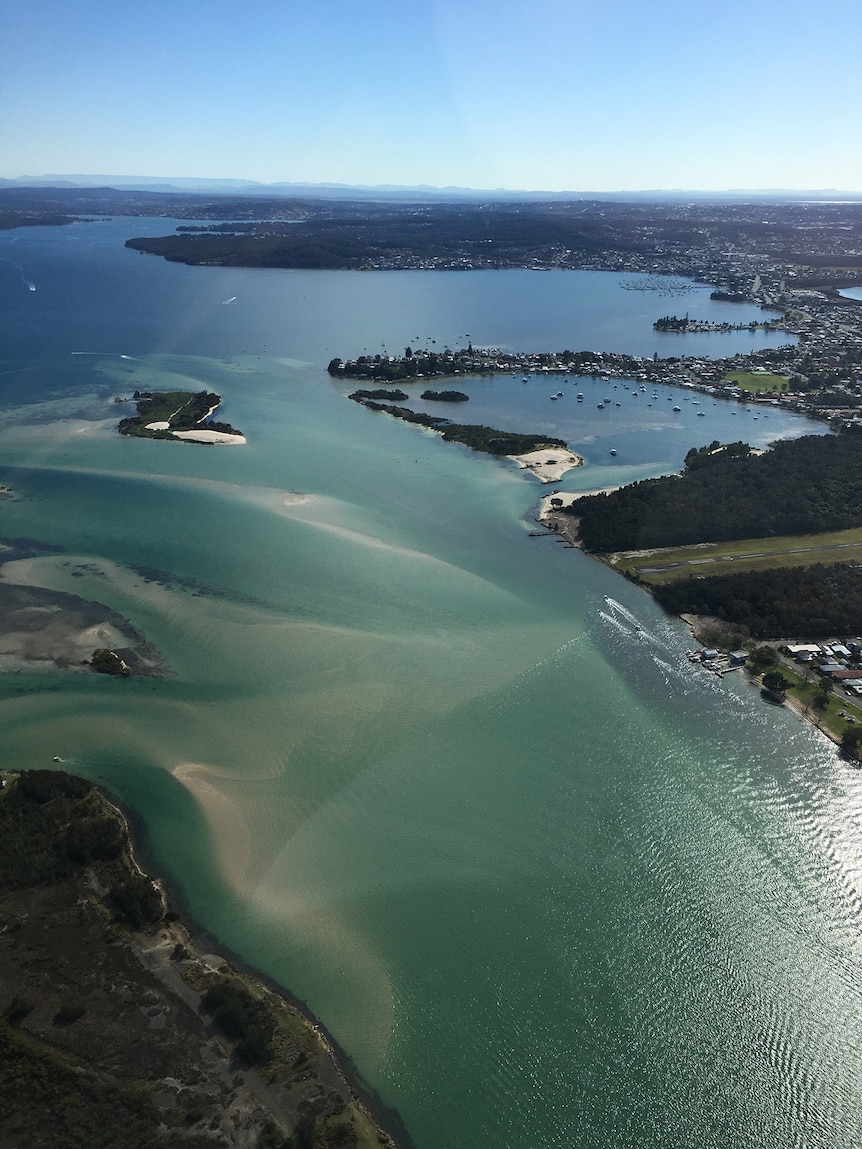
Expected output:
(751, 547)
(547, 458)
(802, 486)
(445, 396)
(116, 1028)
(183, 415)
(685, 325)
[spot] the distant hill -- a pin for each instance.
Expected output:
(229, 186)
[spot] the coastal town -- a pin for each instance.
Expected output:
(793, 258)
(820, 374)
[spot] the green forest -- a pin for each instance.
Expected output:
(800, 486)
(806, 601)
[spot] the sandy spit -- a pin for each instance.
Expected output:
(220, 437)
(549, 464)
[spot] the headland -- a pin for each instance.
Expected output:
(114, 1018)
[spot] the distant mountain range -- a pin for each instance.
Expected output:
(223, 187)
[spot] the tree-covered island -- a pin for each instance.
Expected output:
(184, 415)
(684, 325)
(728, 491)
(445, 396)
(474, 436)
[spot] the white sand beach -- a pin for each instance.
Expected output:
(566, 498)
(549, 464)
(220, 437)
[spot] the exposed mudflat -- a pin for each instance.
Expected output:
(53, 630)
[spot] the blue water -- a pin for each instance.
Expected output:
(457, 787)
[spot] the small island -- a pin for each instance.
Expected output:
(395, 395)
(546, 458)
(183, 415)
(445, 396)
(684, 325)
(106, 661)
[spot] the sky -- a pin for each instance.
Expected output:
(555, 95)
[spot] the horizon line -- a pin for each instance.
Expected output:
(240, 183)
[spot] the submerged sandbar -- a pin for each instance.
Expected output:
(44, 629)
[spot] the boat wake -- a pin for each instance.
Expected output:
(106, 355)
(618, 608)
(615, 623)
(627, 622)
(28, 283)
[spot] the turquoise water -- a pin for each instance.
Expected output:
(453, 785)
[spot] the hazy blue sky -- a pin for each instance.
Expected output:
(537, 94)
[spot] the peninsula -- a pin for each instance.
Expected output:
(113, 1020)
(183, 415)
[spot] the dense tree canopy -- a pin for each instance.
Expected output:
(816, 600)
(800, 486)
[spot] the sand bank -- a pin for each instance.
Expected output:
(559, 499)
(49, 630)
(228, 827)
(549, 464)
(210, 437)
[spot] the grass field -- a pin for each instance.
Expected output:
(758, 381)
(660, 566)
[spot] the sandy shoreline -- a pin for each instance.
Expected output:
(566, 498)
(550, 464)
(222, 438)
(566, 526)
(210, 950)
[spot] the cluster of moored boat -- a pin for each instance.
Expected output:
(636, 393)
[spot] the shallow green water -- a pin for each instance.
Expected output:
(453, 785)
